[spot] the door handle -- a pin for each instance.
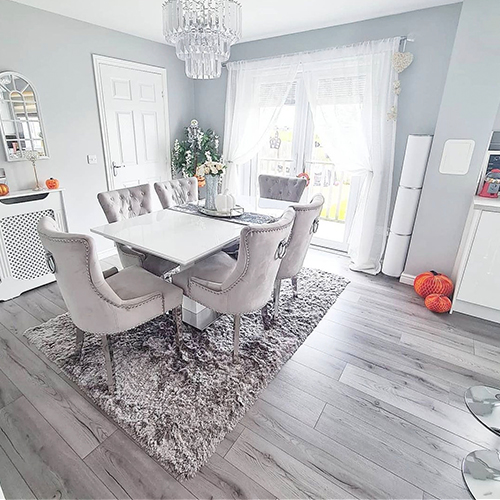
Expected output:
(115, 166)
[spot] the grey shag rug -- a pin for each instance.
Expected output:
(179, 406)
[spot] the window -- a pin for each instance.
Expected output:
(295, 145)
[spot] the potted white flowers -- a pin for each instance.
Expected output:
(211, 171)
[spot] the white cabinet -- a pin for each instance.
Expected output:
(22, 257)
(478, 265)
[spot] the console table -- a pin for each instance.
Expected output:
(22, 257)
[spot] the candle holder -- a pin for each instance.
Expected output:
(33, 156)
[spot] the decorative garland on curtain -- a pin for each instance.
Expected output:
(400, 61)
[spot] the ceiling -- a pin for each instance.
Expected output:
(261, 18)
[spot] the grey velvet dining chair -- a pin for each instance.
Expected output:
(124, 204)
(240, 286)
(305, 225)
(177, 191)
(99, 305)
(275, 187)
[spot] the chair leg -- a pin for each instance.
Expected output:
(177, 312)
(108, 356)
(236, 338)
(295, 285)
(277, 291)
(80, 335)
(265, 317)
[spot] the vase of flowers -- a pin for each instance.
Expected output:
(211, 171)
(194, 151)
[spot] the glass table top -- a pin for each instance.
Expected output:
(484, 403)
(481, 473)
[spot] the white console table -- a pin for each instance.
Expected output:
(477, 269)
(22, 257)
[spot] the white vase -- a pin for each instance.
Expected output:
(212, 185)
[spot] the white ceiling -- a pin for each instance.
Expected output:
(261, 18)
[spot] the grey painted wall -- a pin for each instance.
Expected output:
(468, 111)
(423, 82)
(55, 53)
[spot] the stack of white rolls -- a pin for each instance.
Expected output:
(418, 148)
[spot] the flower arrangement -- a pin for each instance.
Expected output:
(210, 167)
(198, 148)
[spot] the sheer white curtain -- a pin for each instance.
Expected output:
(257, 91)
(350, 92)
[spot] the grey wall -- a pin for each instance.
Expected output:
(468, 111)
(55, 53)
(423, 82)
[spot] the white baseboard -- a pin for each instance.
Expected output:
(407, 279)
(104, 254)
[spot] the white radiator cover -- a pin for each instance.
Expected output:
(22, 257)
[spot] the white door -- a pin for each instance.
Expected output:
(132, 101)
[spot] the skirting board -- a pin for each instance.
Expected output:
(407, 279)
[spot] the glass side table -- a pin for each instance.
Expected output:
(481, 468)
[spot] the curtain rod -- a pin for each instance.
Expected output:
(402, 45)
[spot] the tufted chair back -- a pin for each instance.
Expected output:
(250, 284)
(126, 203)
(73, 259)
(281, 188)
(304, 227)
(177, 192)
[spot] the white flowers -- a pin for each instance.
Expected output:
(210, 168)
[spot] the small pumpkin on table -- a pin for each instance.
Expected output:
(4, 189)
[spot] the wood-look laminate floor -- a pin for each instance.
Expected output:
(371, 406)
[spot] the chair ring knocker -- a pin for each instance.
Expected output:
(51, 263)
(281, 250)
(315, 225)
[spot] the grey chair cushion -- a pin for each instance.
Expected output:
(236, 288)
(215, 269)
(177, 192)
(281, 188)
(157, 265)
(94, 306)
(126, 203)
(133, 282)
(303, 230)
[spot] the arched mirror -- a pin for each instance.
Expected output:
(20, 119)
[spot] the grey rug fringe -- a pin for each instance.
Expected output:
(179, 406)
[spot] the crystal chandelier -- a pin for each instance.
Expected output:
(202, 32)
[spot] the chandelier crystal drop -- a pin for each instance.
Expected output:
(202, 32)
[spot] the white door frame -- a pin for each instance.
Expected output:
(98, 60)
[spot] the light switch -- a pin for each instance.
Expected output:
(91, 159)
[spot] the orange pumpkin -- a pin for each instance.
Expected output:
(438, 303)
(433, 282)
(201, 181)
(52, 183)
(4, 189)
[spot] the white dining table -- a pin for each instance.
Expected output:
(185, 238)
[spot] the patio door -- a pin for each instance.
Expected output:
(294, 146)
(132, 103)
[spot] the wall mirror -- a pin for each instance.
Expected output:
(20, 118)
